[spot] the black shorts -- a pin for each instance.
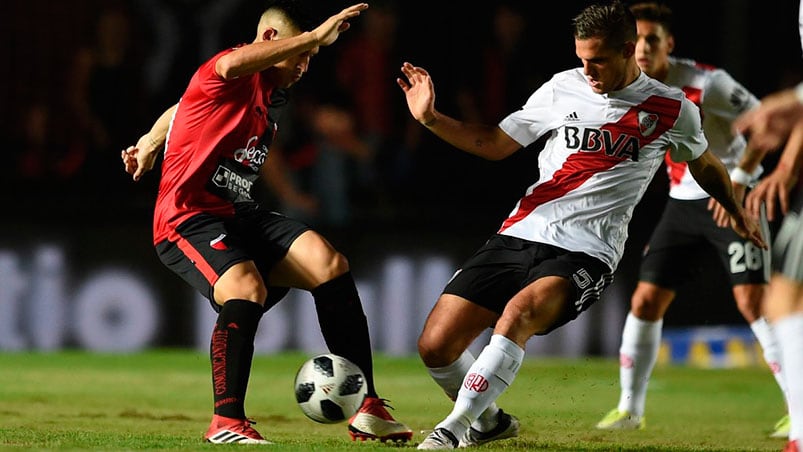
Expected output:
(685, 231)
(787, 250)
(505, 265)
(210, 245)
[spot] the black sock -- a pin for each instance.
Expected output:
(231, 352)
(343, 324)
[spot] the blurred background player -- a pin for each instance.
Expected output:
(784, 299)
(687, 226)
(779, 119)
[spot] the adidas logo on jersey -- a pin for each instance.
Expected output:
(571, 117)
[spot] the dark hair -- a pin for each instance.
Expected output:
(653, 12)
(296, 11)
(613, 23)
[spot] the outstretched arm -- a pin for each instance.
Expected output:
(770, 124)
(489, 142)
(741, 179)
(712, 176)
(140, 158)
(269, 49)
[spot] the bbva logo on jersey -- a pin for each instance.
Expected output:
(624, 146)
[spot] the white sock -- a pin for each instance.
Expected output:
(450, 377)
(637, 356)
(789, 331)
(492, 372)
(772, 351)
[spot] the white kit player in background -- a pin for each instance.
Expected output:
(608, 127)
(687, 228)
(777, 122)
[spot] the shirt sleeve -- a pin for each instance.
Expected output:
(212, 85)
(688, 140)
(725, 97)
(534, 119)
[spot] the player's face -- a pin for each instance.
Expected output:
(289, 71)
(653, 47)
(604, 67)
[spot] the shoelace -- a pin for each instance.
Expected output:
(246, 426)
(382, 402)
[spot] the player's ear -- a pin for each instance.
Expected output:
(670, 43)
(269, 34)
(629, 49)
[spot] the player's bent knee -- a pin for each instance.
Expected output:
(435, 353)
(241, 286)
(749, 299)
(650, 302)
(338, 264)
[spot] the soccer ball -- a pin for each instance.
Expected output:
(329, 388)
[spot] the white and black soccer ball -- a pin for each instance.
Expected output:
(329, 388)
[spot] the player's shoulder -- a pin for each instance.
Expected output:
(574, 75)
(687, 67)
(654, 87)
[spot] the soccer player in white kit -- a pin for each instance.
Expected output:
(609, 127)
(779, 119)
(687, 228)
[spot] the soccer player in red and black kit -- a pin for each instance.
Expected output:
(244, 258)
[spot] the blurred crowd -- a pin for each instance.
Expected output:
(88, 77)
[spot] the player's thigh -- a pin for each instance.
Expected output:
(288, 252)
(535, 309)
(242, 281)
(451, 326)
(205, 249)
(785, 295)
(560, 285)
(787, 249)
(310, 261)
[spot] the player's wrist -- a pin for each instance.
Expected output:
(429, 122)
(741, 177)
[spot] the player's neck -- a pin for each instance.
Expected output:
(661, 73)
(632, 73)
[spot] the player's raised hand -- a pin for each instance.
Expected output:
(140, 158)
(770, 124)
(419, 91)
(772, 192)
(327, 32)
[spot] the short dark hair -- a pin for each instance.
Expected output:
(296, 11)
(613, 23)
(653, 12)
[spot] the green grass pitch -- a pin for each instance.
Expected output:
(161, 400)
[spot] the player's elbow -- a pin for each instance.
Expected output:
(226, 68)
(498, 145)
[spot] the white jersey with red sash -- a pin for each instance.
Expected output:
(720, 99)
(602, 152)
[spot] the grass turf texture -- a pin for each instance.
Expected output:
(161, 400)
